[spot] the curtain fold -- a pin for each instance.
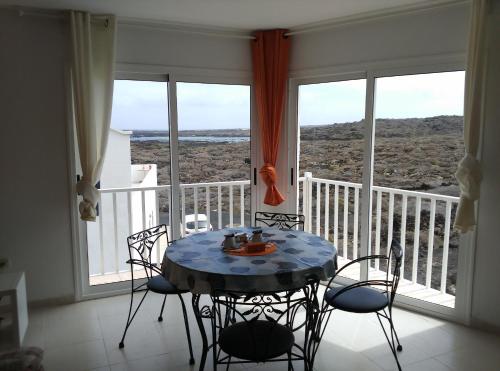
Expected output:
(92, 72)
(469, 170)
(270, 59)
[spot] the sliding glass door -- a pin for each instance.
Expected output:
(376, 158)
(214, 155)
(179, 153)
(330, 152)
(418, 141)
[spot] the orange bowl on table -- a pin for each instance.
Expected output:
(244, 250)
(253, 247)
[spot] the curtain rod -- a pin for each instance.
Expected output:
(369, 16)
(59, 14)
(163, 26)
(298, 31)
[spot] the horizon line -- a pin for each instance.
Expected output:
(335, 123)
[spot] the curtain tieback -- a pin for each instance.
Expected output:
(268, 174)
(90, 195)
(469, 177)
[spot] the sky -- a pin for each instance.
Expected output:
(143, 105)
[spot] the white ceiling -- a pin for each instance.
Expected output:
(237, 14)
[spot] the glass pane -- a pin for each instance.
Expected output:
(331, 122)
(214, 155)
(418, 143)
(135, 178)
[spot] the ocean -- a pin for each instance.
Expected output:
(210, 139)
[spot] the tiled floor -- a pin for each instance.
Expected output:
(85, 336)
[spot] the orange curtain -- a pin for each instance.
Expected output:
(270, 51)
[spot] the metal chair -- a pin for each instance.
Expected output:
(370, 296)
(140, 247)
(255, 328)
(280, 220)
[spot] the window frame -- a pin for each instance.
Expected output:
(218, 80)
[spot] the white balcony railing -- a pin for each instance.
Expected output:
(420, 221)
(124, 211)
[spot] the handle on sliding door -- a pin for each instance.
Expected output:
(291, 177)
(254, 176)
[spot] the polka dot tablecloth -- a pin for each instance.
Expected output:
(198, 263)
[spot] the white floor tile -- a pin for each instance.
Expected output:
(477, 359)
(426, 365)
(76, 357)
(85, 336)
(332, 356)
(70, 331)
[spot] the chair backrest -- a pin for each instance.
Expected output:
(395, 257)
(280, 220)
(141, 245)
(389, 285)
(230, 307)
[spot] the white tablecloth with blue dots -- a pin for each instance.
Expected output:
(197, 263)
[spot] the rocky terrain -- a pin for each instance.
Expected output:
(414, 154)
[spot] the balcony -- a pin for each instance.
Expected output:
(420, 221)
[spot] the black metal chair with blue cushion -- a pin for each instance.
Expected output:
(370, 296)
(140, 247)
(279, 220)
(255, 328)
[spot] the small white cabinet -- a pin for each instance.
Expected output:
(13, 310)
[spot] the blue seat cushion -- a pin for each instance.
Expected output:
(160, 285)
(256, 341)
(357, 300)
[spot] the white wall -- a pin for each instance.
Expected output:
(176, 49)
(425, 33)
(145, 175)
(486, 301)
(117, 163)
(34, 193)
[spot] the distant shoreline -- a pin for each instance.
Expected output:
(203, 139)
(240, 133)
(409, 127)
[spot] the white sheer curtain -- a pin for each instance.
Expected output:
(93, 52)
(469, 169)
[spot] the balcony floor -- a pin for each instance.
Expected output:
(103, 279)
(85, 336)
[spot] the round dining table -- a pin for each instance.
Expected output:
(198, 263)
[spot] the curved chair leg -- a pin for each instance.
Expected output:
(188, 333)
(160, 318)
(131, 318)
